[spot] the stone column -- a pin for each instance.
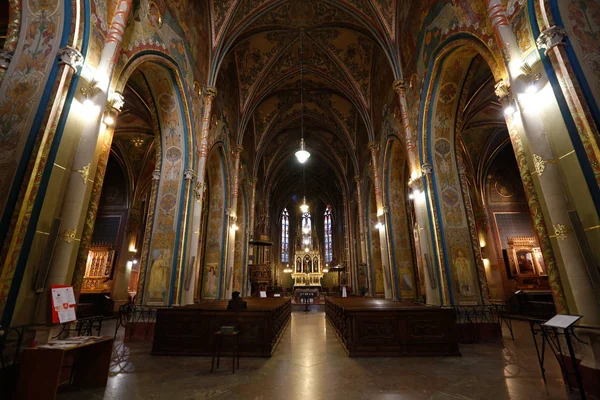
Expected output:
(443, 292)
(388, 275)
(362, 234)
(232, 227)
(78, 189)
(251, 255)
(182, 263)
(410, 139)
(553, 40)
(547, 172)
(515, 131)
(199, 187)
(484, 289)
(147, 236)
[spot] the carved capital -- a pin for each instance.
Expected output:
(253, 181)
(116, 101)
(540, 164)
(427, 169)
(462, 170)
(550, 38)
(156, 175)
(399, 85)
(188, 174)
(210, 92)
(502, 89)
(238, 149)
(373, 145)
(357, 179)
(70, 56)
(5, 57)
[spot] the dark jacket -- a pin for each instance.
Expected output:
(237, 304)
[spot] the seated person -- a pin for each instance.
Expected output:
(236, 303)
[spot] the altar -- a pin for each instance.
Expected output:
(308, 270)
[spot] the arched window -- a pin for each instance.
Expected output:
(306, 230)
(285, 235)
(328, 246)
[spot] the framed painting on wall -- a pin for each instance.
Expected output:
(521, 255)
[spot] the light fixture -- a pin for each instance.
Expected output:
(411, 196)
(306, 250)
(304, 206)
(326, 269)
(109, 120)
(379, 226)
(302, 155)
(234, 227)
(509, 110)
(135, 261)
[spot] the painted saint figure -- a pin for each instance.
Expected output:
(158, 277)
(463, 272)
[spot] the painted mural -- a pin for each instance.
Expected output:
(23, 86)
(581, 19)
(374, 246)
(396, 178)
(164, 257)
(214, 242)
(240, 240)
(459, 257)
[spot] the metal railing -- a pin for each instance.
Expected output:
(130, 314)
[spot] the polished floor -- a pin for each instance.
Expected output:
(309, 363)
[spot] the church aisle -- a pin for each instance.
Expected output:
(309, 363)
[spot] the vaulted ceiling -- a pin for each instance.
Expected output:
(338, 42)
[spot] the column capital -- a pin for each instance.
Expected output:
(550, 38)
(427, 169)
(116, 101)
(502, 89)
(188, 174)
(210, 92)
(357, 179)
(253, 181)
(399, 85)
(156, 174)
(5, 57)
(238, 149)
(70, 56)
(373, 145)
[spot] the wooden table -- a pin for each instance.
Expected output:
(43, 369)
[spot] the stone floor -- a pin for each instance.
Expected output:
(309, 363)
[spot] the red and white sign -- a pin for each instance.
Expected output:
(63, 304)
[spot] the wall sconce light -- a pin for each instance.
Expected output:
(379, 226)
(234, 227)
(135, 261)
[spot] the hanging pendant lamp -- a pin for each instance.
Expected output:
(302, 155)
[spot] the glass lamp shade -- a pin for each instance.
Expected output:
(302, 155)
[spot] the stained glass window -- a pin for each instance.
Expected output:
(306, 230)
(328, 246)
(285, 235)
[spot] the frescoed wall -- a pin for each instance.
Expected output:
(214, 242)
(581, 19)
(374, 244)
(165, 250)
(460, 264)
(241, 239)
(396, 171)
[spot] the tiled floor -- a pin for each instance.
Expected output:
(309, 363)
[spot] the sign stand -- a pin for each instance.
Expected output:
(552, 331)
(63, 304)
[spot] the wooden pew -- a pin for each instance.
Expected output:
(190, 330)
(369, 327)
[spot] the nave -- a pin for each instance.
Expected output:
(309, 362)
